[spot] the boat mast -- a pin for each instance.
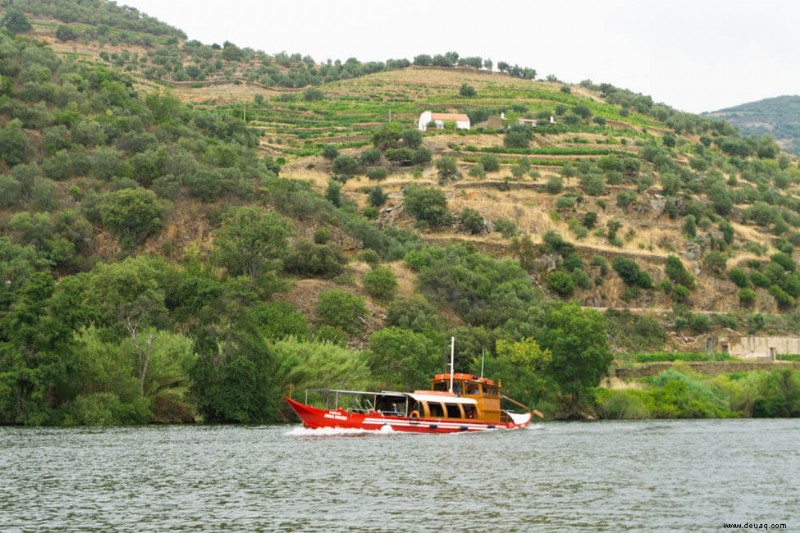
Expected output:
(452, 359)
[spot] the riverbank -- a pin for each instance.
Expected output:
(680, 391)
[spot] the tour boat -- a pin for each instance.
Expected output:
(455, 403)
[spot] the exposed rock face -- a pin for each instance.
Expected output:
(547, 262)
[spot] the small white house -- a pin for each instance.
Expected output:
(461, 120)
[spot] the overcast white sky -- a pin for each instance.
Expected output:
(694, 55)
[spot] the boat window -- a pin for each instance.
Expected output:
(440, 386)
(457, 387)
(436, 410)
(473, 388)
(469, 411)
(453, 411)
(489, 390)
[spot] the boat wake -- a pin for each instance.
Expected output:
(337, 432)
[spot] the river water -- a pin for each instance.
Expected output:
(634, 476)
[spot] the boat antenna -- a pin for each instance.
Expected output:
(483, 360)
(452, 359)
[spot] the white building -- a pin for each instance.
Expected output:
(461, 120)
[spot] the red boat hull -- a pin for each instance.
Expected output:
(314, 418)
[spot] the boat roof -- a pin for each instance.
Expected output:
(360, 392)
(426, 396)
(419, 396)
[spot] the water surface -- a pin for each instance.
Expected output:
(650, 475)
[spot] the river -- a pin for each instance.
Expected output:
(599, 476)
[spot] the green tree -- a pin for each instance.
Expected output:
(577, 339)
(518, 136)
(388, 136)
(252, 241)
(129, 298)
(15, 21)
(522, 365)
(412, 138)
(402, 359)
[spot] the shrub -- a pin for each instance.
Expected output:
(315, 260)
(747, 297)
(278, 320)
(625, 199)
(490, 162)
(783, 300)
(784, 260)
(561, 283)
(593, 184)
(421, 156)
(370, 157)
(555, 185)
(345, 165)
(330, 152)
(471, 221)
(340, 309)
(739, 278)
(377, 173)
(630, 273)
(447, 167)
(681, 294)
(381, 284)
(467, 91)
(758, 279)
(477, 171)
(565, 203)
(677, 272)
(427, 204)
(715, 262)
(506, 227)
(377, 197)
(600, 262)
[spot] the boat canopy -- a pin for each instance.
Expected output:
(438, 398)
(359, 392)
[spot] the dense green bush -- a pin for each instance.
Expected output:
(381, 284)
(341, 309)
(561, 283)
(315, 260)
(677, 272)
(739, 278)
(427, 204)
(630, 273)
(471, 221)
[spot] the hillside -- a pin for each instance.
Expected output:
(179, 250)
(778, 117)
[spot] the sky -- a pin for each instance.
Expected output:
(693, 55)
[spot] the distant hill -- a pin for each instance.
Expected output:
(779, 117)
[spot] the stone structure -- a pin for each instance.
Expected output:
(750, 347)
